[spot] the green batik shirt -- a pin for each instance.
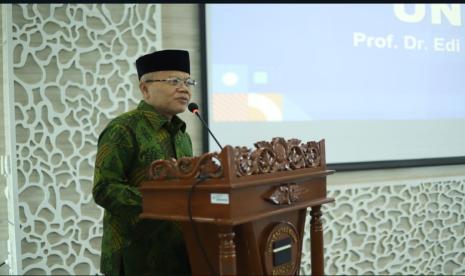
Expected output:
(126, 148)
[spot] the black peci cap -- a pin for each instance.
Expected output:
(176, 60)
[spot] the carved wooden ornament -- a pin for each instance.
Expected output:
(285, 194)
(279, 155)
(206, 165)
(267, 157)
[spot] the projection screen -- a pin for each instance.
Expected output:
(378, 82)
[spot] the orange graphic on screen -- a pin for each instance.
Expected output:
(248, 107)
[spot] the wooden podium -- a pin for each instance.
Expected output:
(248, 206)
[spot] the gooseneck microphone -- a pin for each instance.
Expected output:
(194, 108)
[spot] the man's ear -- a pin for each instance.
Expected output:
(143, 89)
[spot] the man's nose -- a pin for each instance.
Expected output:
(183, 87)
(184, 90)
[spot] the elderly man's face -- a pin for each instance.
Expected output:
(168, 99)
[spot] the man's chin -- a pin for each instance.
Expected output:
(181, 109)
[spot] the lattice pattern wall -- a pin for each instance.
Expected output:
(73, 71)
(408, 229)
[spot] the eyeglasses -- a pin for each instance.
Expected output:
(175, 81)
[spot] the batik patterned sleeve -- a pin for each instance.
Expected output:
(111, 190)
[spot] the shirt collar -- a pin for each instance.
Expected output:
(157, 120)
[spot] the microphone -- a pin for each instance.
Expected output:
(194, 108)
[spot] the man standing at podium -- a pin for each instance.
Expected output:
(126, 148)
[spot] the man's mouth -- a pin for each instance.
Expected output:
(183, 100)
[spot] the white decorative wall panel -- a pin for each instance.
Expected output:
(407, 228)
(73, 72)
